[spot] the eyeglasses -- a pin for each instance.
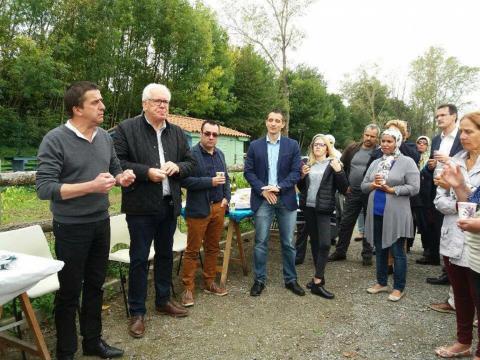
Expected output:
(209, 133)
(159, 102)
(319, 145)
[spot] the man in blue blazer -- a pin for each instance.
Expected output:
(448, 144)
(272, 168)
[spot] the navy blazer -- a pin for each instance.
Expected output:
(428, 189)
(199, 184)
(288, 171)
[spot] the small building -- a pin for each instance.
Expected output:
(233, 143)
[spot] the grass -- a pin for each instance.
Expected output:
(20, 205)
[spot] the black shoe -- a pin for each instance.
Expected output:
(309, 284)
(337, 257)
(295, 288)
(367, 261)
(257, 288)
(427, 261)
(319, 290)
(333, 241)
(441, 280)
(102, 349)
(298, 261)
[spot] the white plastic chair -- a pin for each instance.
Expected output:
(120, 235)
(31, 241)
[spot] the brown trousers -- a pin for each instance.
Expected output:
(209, 231)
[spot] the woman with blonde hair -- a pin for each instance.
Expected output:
(462, 252)
(322, 176)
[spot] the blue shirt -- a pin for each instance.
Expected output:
(213, 163)
(273, 149)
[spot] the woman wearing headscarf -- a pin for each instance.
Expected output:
(322, 176)
(422, 214)
(461, 253)
(390, 182)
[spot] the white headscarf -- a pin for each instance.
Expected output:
(387, 161)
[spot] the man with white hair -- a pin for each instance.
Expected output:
(158, 152)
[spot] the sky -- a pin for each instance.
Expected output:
(342, 35)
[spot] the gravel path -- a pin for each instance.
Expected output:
(280, 325)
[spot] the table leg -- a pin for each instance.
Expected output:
(240, 249)
(226, 254)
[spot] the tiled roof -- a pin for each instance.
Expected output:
(193, 125)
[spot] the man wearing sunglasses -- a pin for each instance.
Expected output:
(272, 168)
(159, 154)
(208, 194)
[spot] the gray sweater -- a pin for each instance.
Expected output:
(64, 158)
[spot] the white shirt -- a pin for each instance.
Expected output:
(165, 184)
(70, 126)
(447, 141)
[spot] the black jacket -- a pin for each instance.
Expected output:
(199, 184)
(137, 148)
(331, 182)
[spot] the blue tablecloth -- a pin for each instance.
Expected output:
(236, 215)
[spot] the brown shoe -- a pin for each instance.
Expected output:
(170, 309)
(136, 326)
(443, 308)
(187, 298)
(215, 290)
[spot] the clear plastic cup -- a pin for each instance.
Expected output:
(466, 210)
(221, 173)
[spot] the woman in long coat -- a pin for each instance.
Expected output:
(390, 182)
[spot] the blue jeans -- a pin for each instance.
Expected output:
(399, 257)
(143, 229)
(286, 224)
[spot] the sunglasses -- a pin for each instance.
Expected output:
(210, 133)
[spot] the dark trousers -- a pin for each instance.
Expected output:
(143, 229)
(463, 282)
(319, 230)
(84, 249)
(354, 203)
(302, 238)
(431, 238)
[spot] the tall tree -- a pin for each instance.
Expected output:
(438, 78)
(254, 92)
(311, 110)
(269, 25)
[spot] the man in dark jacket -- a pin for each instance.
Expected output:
(159, 154)
(208, 196)
(355, 160)
(444, 145)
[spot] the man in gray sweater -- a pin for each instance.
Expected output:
(77, 168)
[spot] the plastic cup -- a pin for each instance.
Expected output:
(221, 173)
(382, 180)
(466, 210)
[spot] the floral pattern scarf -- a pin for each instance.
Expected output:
(385, 165)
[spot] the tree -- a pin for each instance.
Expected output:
(269, 26)
(438, 79)
(311, 111)
(367, 97)
(341, 125)
(252, 89)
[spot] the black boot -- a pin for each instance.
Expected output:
(319, 290)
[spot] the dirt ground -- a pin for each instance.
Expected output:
(281, 325)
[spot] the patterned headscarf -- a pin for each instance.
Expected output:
(387, 161)
(426, 154)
